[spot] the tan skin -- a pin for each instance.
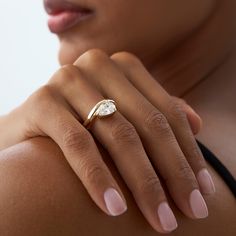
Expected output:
(54, 202)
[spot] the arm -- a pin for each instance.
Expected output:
(41, 195)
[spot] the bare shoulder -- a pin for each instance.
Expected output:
(40, 195)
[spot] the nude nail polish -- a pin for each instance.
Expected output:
(114, 202)
(205, 181)
(166, 216)
(198, 205)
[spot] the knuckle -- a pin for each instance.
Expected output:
(149, 185)
(195, 151)
(43, 93)
(124, 132)
(156, 121)
(76, 140)
(176, 109)
(91, 171)
(195, 155)
(126, 57)
(183, 171)
(42, 99)
(93, 57)
(66, 74)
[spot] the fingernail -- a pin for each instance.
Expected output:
(114, 202)
(166, 216)
(198, 205)
(205, 181)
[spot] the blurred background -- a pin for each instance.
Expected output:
(28, 51)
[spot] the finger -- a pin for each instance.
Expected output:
(120, 139)
(153, 128)
(194, 119)
(174, 112)
(79, 148)
(149, 87)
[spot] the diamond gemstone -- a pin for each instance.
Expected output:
(106, 108)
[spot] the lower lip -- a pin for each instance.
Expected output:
(63, 21)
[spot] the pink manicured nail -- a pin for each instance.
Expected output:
(198, 204)
(114, 202)
(166, 216)
(205, 181)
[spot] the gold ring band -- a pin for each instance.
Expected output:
(104, 108)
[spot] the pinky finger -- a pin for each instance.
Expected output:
(194, 119)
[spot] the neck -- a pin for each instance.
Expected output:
(200, 54)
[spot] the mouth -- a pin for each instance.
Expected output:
(64, 15)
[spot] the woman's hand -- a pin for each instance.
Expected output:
(150, 131)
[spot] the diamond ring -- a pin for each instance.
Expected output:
(102, 109)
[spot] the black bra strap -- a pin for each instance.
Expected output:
(219, 167)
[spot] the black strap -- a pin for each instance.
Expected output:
(219, 167)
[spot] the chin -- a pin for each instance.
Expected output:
(73, 45)
(68, 53)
